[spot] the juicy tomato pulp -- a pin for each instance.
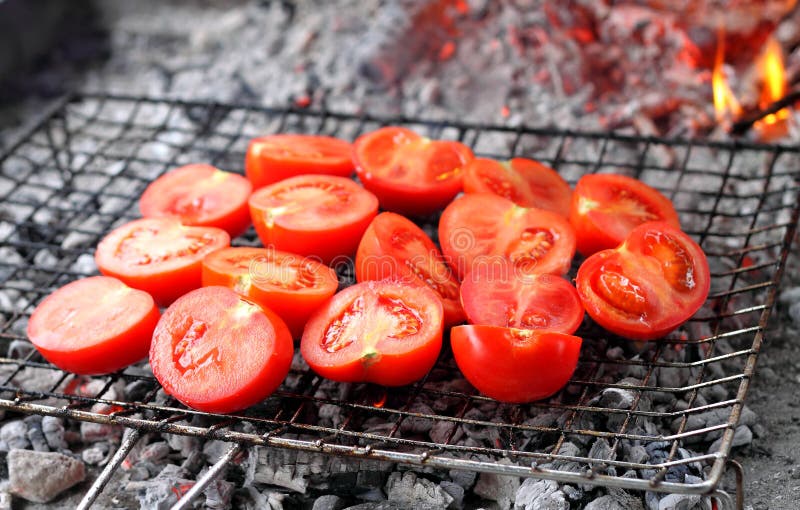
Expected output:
(200, 195)
(515, 365)
(381, 332)
(313, 215)
(290, 285)
(395, 248)
(525, 182)
(158, 255)
(274, 158)
(408, 173)
(648, 286)
(217, 352)
(606, 207)
(478, 228)
(96, 325)
(496, 294)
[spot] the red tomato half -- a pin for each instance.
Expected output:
(525, 182)
(290, 285)
(408, 173)
(158, 255)
(381, 332)
(606, 207)
(274, 158)
(96, 325)
(319, 215)
(497, 294)
(200, 195)
(648, 286)
(478, 228)
(515, 365)
(395, 248)
(215, 351)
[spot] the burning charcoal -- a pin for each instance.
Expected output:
(456, 492)
(329, 502)
(53, 429)
(275, 500)
(35, 433)
(138, 473)
(600, 450)
(534, 494)
(97, 454)
(276, 467)
(19, 349)
(499, 488)
(618, 500)
(743, 436)
(14, 435)
(683, 502)
(194, 462)
(163, 490)
(214, 450)
(636, 454)
(84, 264)
(410, 491)
(91, 432)
(442, 430)
(417, 425)
(465, 479)
(218, 495)
(617, 398)
(155, 452)
(41, 476)
(573, 494)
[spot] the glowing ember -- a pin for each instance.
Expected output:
(773, 74)
(381, 400)
(725, 103)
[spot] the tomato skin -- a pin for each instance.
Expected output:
(648, 286)
(496, 294)
(128, 251)
(606, 207)
(244, 355)
(395, 248)
(525, 182)
(480, 227)
(200, 195)
(270, 279)
(515, 365)
(96, 325)
(410, 174)
(326, 227)
(373, 354)
(273, 158)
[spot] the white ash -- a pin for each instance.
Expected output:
(42, 476)
(409, 490)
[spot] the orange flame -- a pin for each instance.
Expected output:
(773, 73)
(725, 102)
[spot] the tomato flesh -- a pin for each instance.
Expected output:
(525, 182)
(382, 332)
(200, 195)
(313, 215)
(96, 325)
(481, 227)
(290, 285)
(648, 286)
(158, 255)
(408, 173)
(218, 352)
(606, 207)
(515, 365)
(395, 248)
(496, 294)
(273, 158)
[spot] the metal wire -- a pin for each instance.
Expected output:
(80, 169)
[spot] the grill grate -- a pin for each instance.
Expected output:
(80, 170)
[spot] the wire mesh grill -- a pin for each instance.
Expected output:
(80, 170)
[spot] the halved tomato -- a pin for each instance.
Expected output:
(480, 227)
(218, 352)
(96, 325)
(273, 158)
(648, 286)
(395, 248)
(290, 285)
(525, 182)
(408, 173)
(158, 255)
(313, 215)
(499, 294)
(515, 365)
(606, 207)
(382, 332)
(200, 195)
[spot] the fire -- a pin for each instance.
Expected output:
(773, 74)
(725, 102)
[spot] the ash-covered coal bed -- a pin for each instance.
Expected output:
(631, 407)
